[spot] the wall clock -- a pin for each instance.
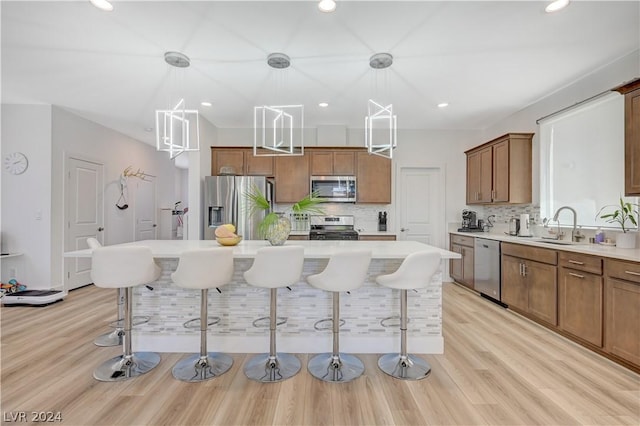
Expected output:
(15, 163)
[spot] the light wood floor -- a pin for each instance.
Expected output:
(497, 369)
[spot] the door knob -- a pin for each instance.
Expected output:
(154, 225)
(404, 229)
(100, 229)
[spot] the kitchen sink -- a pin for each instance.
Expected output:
(557, 242)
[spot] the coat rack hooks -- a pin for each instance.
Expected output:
(138, 174)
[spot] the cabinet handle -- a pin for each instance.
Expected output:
(575, 262)
(632, 273)
(524, 269)
(493, 195)
(576, 275)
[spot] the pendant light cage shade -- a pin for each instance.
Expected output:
(278, 130)
(177, 130)
(380, 129)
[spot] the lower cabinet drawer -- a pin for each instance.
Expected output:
(623, 270)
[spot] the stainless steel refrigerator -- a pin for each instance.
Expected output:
(225, 201)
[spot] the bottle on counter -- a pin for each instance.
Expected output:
(599, 236)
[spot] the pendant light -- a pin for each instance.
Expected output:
(380, 124)
(278, 129)
(177, 129)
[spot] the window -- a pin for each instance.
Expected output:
(582, 159)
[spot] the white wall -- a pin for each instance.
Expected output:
(46, 135)
(625, 69)
(75, 135)
(27, 129)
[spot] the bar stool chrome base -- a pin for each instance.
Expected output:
(137, 320)
(195, 322)
(408, 367)
(196, 368)
(343, 368)
(125, 367)
(115, 338)
(266, 369)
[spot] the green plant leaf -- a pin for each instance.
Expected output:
(625, 211)
(268, 220)
(309, 204)
(257, 200)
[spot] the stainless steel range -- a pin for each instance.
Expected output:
(332, 228)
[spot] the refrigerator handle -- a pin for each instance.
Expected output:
(234, 206)
(270, 193)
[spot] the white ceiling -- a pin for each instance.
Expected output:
(486, 59)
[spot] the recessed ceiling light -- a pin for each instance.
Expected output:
(327, 6)
(102, 5)
(323, 104)
(556, 5)
(177, 59)
(443, 105)
(205, 103)
(381, 61)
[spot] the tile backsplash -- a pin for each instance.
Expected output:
(365, 215)
(504, 213)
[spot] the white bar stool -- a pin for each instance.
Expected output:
(124, 267)
(346, 271)
(114, 338)
(203, 269)
(416, 271)
(274, 267)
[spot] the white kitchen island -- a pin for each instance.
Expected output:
(239, 305)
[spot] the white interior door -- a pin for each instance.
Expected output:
(420, 205)
(84, 215)
(145, 210)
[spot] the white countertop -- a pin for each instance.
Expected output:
(172, 249)
(585, 248)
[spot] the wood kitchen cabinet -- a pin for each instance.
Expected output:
(622, 310)
(292, 178)
(499, 171)
(479, 176)
(631, 92)
(580, 296)
(530, 286)
(242, 161)
(461, 270)
(376, 237)
(291, 173)
(333, 163)
(373, 178)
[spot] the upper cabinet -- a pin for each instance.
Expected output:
(631, 92)
(291, 178)
(242, 161)
(373, 178)
(333, 163)
(292, 173)
(499, 171)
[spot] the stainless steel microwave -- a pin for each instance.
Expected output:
(335, 189)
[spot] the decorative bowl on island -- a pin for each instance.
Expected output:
(229, 241)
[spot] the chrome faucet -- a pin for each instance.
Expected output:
(575, 234)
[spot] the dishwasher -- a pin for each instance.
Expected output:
(486, 269)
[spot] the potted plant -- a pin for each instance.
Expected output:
(275, 226)
(622, 213)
